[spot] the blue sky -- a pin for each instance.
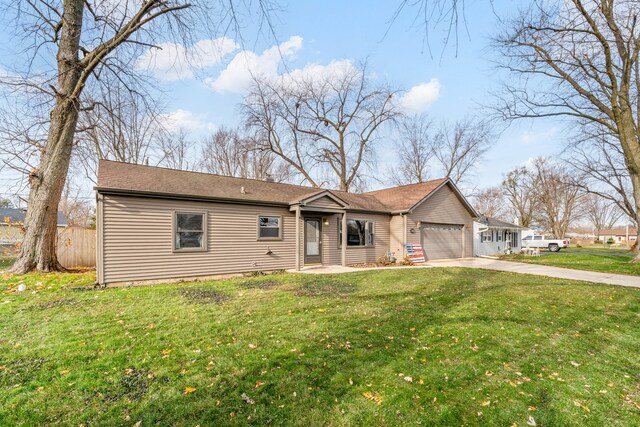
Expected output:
(355, 30)
(318, 33)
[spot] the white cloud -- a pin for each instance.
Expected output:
(246, 65)
(174, 61)
(420, 97)
(538, 137)
(184, 119)
(319, 73)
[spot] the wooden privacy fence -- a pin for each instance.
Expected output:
(77, 247)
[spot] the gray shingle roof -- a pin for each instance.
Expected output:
(495, 222)
(18, 215)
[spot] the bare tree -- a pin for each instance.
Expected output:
(87, 39)
(519, 187)
(558, 195)
(177, 150)
(601, 213)
(321, 124)
(414, 150)
(459, 148)
(227, 152)
(599, 157)
(579, 60)
(490, 202)
(121, 126)
(77, 209)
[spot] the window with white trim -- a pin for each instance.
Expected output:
(269, 227)
(189, 231)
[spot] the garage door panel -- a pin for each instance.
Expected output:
(441, 241)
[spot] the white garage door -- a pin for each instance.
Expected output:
(441, 241)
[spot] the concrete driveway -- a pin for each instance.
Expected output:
(541, 270)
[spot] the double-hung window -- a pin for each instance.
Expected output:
(359, 232)
(189, 231)
(269, 227)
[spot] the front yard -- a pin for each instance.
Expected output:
(615, 261)
(393, 347)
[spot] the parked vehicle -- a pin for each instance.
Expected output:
(540, 241)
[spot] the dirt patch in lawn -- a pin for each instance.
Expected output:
(325, 287)
(204, 296)
(20, 370)
(57, 303)
(260, 284)
(133, 385)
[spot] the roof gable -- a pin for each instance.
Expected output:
(406, 197)
(324, 198)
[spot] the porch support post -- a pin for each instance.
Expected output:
(343, 242)
(298, 238)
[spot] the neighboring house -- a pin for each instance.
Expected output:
(11, 220)
(156, 223)
(492, 236)
(618, 234)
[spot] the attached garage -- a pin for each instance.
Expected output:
(442, 241)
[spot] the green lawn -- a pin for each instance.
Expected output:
(603, 260)
(6, 262)
(392, 347)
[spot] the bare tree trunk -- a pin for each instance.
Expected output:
(38, 250)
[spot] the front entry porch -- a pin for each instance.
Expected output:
(317, 219)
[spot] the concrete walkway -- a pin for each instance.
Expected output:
(541, 270)
(491, 264)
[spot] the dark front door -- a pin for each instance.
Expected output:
(313, 241)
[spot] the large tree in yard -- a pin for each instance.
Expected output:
(324, 125)
(88, 39)
(579, 60)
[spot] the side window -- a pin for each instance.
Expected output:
(269, 228)
(189, 231)
(537, 237)
(527, 238)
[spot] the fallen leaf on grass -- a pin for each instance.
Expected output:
(531, 421)
(580, 405)
(247, 399)
(259, 383)
(485, 403)
(372, 397)
(189, 390)
(64, 372)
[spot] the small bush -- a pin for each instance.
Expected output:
(610, 241)
(407, 261)
(385, 260)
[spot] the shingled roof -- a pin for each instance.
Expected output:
(132, 178)
(495, 222)
(14, 215)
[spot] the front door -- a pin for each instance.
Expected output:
(312, 241)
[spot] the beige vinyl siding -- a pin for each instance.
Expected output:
(138, 240)
(396, 235)
(442, 207)
(325, 202)
(368, 254)
(331, 252)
